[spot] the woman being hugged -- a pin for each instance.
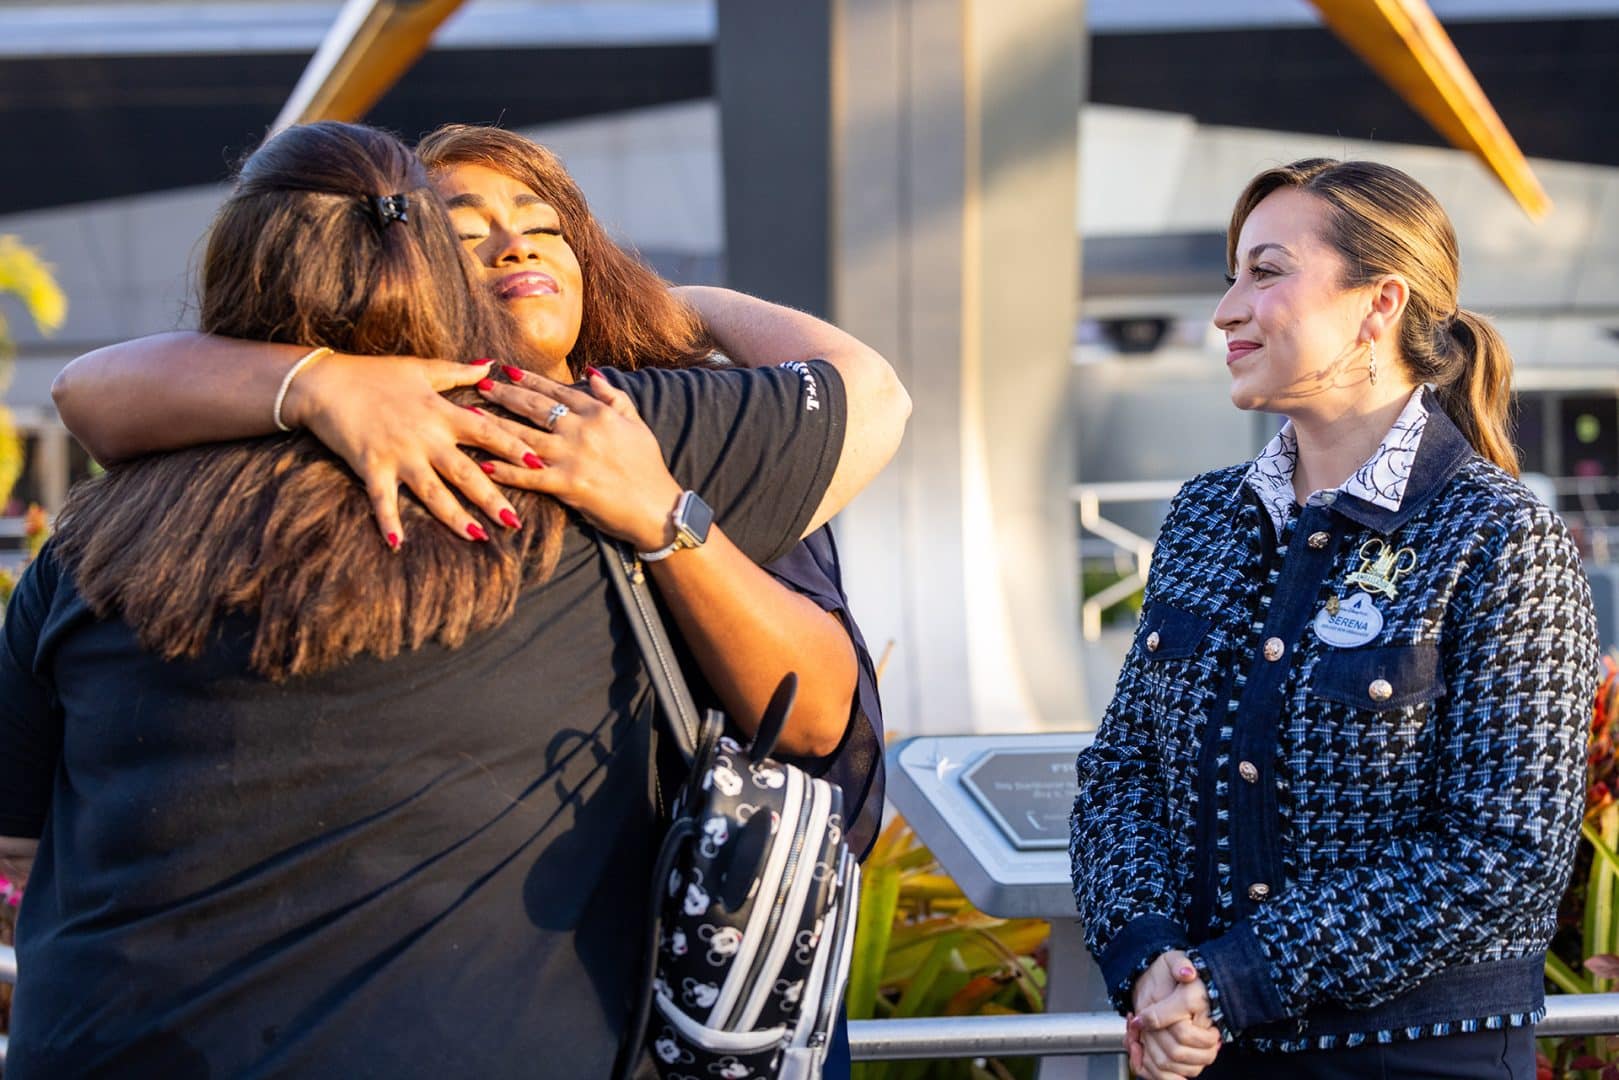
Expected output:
(1326, 822)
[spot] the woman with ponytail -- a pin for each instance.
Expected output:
(1326, 822)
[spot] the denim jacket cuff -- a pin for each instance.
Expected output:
(1133, 950)
(1240, 973)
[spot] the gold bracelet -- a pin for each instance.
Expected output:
(286, 380)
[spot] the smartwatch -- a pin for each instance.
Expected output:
(692, 518)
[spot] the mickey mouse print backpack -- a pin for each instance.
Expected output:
(754, 892)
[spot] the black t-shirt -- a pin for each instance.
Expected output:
(430, 866)
(812, 568)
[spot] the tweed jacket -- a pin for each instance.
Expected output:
(1397, 816)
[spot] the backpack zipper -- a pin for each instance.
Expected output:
(849, 905)
(778, 906)
(733, 991)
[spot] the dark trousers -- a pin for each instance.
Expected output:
(838, 1063)
(1508, 1054)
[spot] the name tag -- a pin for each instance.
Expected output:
(1353, 622)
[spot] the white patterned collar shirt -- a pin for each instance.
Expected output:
(1380, 481)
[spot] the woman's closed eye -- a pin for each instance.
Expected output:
(538, 230)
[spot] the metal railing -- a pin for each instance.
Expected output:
(1060, 1033)
(1132, 547)
(1103, 1033)
(1586, 504)
(986, 1036)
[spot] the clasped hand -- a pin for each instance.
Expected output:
(1170, 1033)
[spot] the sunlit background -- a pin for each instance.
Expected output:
(868, 159)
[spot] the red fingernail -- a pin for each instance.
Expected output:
(593, 371)
(487, 466)
(474, 408)
(1188, 971)
(481, 360)
(533, 462)
(514, 374)
(393, 541)
(509, 519)
(486, 385)
(475, 531)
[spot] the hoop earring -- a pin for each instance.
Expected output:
(1371, 361)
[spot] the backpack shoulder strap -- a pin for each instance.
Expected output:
(679, 710)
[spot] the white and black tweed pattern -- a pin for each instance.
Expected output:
(1404, 839)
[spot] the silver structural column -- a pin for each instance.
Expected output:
(908, 167)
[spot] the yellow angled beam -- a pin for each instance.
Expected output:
(1404, 43)
(370, 45)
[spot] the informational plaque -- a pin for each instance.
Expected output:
(1028, 793)
(994, 811)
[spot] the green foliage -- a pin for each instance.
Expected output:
(1094, 577)
(36, 530)
(921, 949)
(1582, 959)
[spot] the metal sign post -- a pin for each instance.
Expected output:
(994, 810)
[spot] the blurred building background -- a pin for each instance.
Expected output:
(120, 120)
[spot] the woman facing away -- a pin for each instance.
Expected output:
(298, 805)
(581, 301)
(1326, 822)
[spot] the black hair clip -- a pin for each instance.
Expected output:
(386, 209)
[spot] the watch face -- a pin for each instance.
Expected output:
(695, 519)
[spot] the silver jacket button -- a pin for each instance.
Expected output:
(1274, 648)
(1380, 690)
(1318, 540)
(1248, 771)
(1258, 891)
(1153, 641)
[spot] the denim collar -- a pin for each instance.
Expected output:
(1380, 481)
(1443, 450)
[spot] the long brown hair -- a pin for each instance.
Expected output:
(1383, 222)
(303, 253)
(630, 319)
